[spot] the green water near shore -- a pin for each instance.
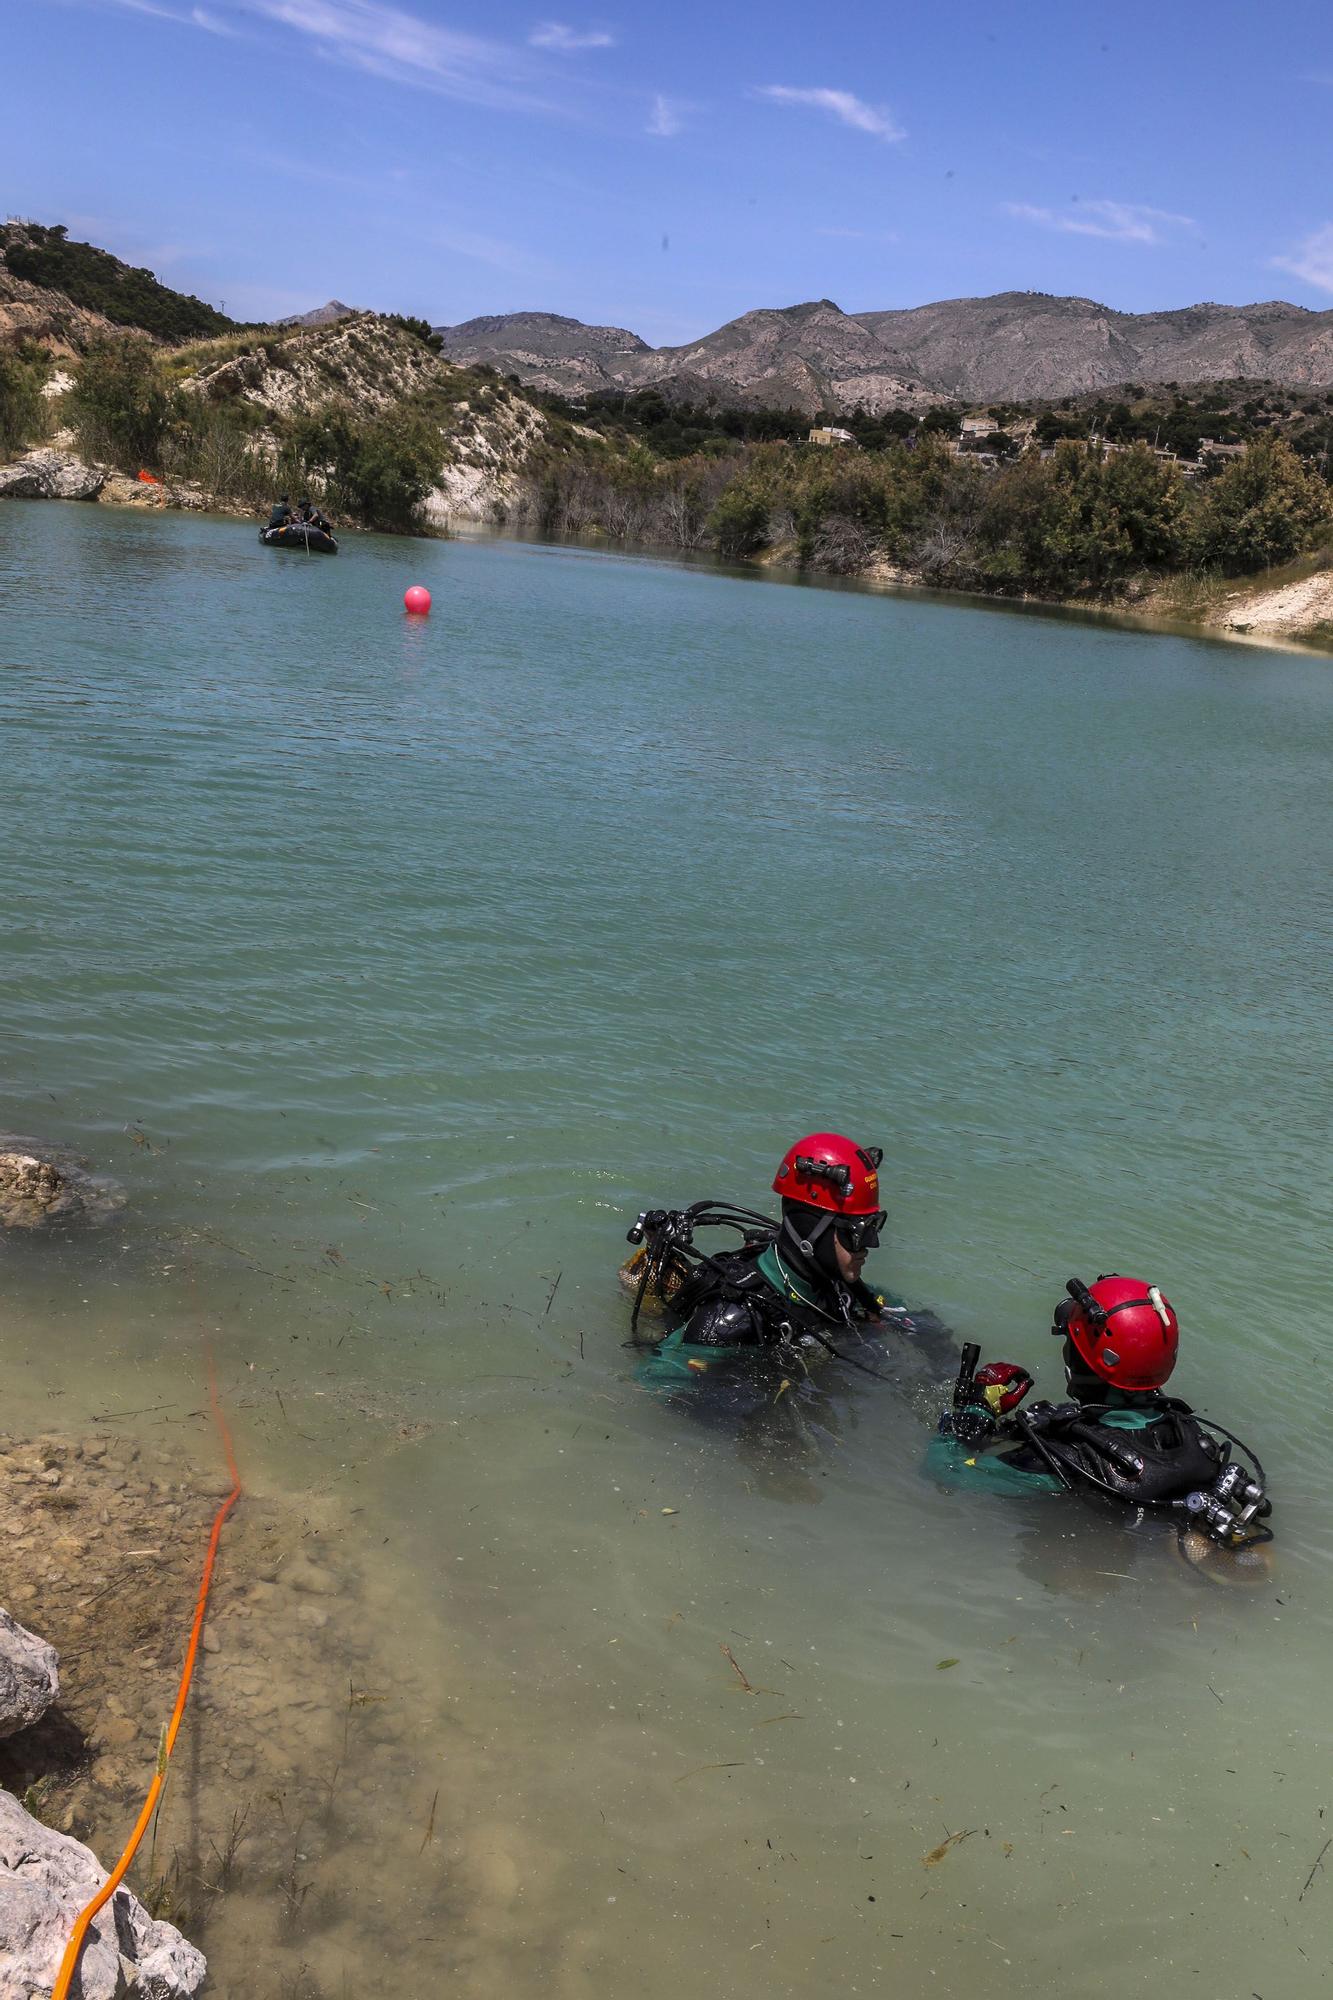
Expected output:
(393, 966)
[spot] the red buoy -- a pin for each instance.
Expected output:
(417, 600)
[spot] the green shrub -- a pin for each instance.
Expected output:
(119, 404)
(1265, 508)
(213, 443)
(378, 471)
(420, 327)
(23, 409)
(739, 521)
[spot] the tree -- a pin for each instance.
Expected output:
(423, 331)
(22, 408)
(1265, 508)
(739, 521)
(119, 403)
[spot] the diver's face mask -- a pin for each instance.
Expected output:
(859, 1233)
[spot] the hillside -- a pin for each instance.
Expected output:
(1020, 346)
(364, 376)
(1014, 347)
(325, 315)
(545, 350)
(31, 312)
(97, 282)
(809, 357)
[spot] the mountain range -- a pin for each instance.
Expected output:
(1012, 347)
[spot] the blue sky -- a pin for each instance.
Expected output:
(667, 168)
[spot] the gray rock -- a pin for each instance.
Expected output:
(51, 475)
(43, 1185)
(45, 1880)
(301, 1574)
(29, 1676)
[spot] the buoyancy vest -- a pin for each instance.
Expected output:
(1173, 1453)
(752, 1296)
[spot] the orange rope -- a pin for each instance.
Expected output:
(69, 1962)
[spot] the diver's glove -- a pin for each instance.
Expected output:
(973, 1424)
(987, 1397)
(1003, 1385)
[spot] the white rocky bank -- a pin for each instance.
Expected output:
(48, 474)
(29, 1676)
(45, 1880)
(46, 1877)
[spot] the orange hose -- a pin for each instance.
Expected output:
(69, 1962)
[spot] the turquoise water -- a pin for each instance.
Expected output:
(393, 965)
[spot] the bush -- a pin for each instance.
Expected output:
(379, 471)
(739, 521)
(213, 443)
(420, 327)
(23, 409)
(1265, 508)
(119, 404)
(1079, 522)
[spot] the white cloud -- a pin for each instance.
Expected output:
(1114, 221)
(184, 17)
(557, 35)
(389, 42)
(1119, 223)
(1313, 259)
(841, 104)
(665, 121)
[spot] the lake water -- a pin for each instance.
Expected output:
(393, 965)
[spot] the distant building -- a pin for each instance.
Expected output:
(972, 430)
(830, 434)
(1210, 448)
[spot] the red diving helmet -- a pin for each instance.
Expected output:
(1123, 1330)
(827, 1171)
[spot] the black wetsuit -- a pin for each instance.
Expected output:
(1147, 1449)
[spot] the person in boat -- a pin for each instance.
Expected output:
(1116, 1434)
(783, 1291)
(309, 515)
(280, 513)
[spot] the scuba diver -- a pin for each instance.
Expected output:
(1117, 1435)
(752, 1314)
(280, 513)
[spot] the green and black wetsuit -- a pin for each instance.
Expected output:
(1145, 1449)
(750, 1300)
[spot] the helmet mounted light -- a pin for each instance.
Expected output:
(832, 1173)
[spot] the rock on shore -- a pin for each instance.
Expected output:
(46, 474)
(42, 1184)
(45, 1880)
(29, 1676)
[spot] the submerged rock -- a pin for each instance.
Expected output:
(41, 1185)
(29, 1676)
(45, 1880)
(45, 474)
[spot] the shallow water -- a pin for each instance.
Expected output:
(394, 965)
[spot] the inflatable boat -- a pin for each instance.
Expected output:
(299, 535)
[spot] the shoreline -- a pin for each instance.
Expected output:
(1273, 605)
